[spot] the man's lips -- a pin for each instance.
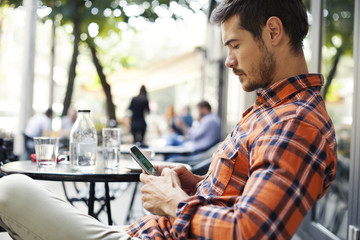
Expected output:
(239, 73)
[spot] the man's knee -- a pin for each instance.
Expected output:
(12, 185)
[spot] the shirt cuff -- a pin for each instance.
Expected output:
(184, 213)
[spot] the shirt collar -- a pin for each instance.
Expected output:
(286, 87)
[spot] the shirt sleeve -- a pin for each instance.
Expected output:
(46, 124)
(292, 165)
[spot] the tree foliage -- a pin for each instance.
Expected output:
(101, 18)
(339, 24)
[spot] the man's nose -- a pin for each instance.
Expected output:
(230, 62)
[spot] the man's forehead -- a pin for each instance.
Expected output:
(234, 20)
(230, 28)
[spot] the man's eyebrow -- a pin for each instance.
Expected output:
(229, 41)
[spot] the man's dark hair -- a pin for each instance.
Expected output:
(49, 112)
(255, 13)
(204, 104)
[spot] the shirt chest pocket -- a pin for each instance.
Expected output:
(222, 168)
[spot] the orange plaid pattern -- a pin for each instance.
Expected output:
(267, 174)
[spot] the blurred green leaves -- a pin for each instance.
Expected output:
(338, 21)
(107, 14)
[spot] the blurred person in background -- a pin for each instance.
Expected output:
(201, 136)
(170, 114)
(67, 122)
(139, 105)
(37, 126)
(184, 116)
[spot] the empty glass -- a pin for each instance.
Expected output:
(46, 149)
(111, 147)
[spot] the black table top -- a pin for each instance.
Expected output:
(63, 172)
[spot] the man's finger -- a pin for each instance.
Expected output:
(166, 172)
(173, 175)
(161, 167)
(144, 177)
(175, 179)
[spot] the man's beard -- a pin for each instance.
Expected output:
(262, 73)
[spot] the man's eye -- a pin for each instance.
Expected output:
(236, 46)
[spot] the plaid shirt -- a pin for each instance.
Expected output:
(265, 176)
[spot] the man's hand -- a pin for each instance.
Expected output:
(187, 179)
(161, 195)
(181, 124)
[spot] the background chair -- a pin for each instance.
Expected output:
(196, 158)
(202, 167)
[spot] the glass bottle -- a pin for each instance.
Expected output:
(83, 142)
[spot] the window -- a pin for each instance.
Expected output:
(329, 218)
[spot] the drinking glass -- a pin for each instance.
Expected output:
(46, 150)
(111, 147)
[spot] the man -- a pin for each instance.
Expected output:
(67, 122)
(37, 126)
(277, 161)
(203, 136)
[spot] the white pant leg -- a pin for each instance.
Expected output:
(28, 211)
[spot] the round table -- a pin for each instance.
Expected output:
(63, 172)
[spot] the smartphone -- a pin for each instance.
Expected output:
(143, 161)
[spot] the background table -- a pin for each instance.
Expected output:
(162, 150)
(63, 172)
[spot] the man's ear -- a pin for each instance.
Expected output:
(275, 30)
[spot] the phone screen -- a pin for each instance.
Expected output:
(143, 161)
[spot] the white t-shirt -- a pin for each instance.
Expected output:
(37, 125)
